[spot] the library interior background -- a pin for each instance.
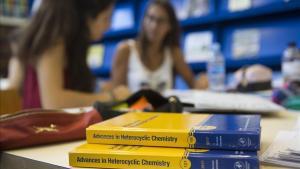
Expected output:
(247, 53)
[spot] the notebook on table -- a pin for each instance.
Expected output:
(225, 102)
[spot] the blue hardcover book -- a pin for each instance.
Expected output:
(140, 157)
(211, 131)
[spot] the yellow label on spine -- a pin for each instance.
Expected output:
(120, 156)
(170, 139)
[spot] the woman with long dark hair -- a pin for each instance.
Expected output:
(151, 60)
(52, 54)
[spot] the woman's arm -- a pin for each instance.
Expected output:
(120, 65)
(15, 74)
(182, 68)
(50, 70)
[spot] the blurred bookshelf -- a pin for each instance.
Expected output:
(220, 13)
(13, 15)
(14, 12)
(12, 21)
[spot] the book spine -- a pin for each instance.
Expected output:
(149, 138)
(209, 140)
(210, 161)
(228, 141)
(225, 162)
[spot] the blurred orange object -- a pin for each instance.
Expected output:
(141, 104)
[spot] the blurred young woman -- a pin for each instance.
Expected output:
(151, 60)
(50, 67)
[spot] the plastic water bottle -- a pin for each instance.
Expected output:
(290, 66)
(216, 69)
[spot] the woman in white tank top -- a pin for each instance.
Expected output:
(140, 76)
(151, 60)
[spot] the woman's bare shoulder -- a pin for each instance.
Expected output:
(124, 46)
(54, 54)
(123, 49)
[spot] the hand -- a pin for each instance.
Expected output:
(106, 86)
(121, 93)
(201, 82)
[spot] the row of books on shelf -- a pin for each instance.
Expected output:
(171, 140)
(14, 8)
(186, 9)
(197, 12)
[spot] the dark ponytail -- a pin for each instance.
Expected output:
(66, 21)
